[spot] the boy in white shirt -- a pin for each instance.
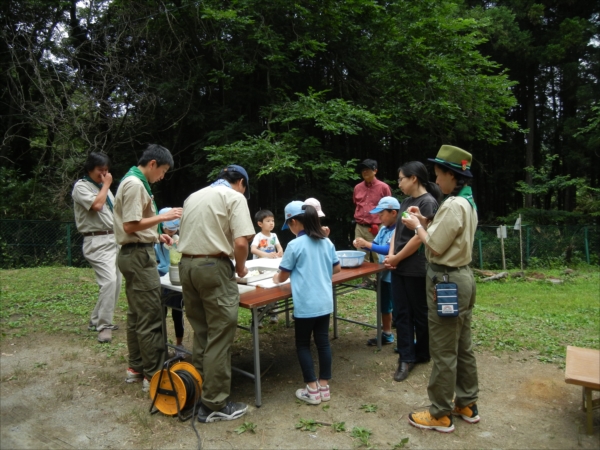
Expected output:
(266, 245)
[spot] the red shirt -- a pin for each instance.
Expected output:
(366, 197)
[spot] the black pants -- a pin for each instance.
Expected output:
(175, 302)
(319, 327)
(410, 298)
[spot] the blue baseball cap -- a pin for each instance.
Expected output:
(242, 171)
(386, 203)
(292, 209)
(171, 224)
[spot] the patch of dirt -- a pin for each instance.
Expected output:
(69, 392)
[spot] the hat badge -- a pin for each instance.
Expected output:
(464, 163)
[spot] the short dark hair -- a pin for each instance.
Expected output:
(96, 160)
(157, 153)
(263, 214)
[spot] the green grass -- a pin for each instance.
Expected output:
(510, 315)
(48, 299)
(515, 314)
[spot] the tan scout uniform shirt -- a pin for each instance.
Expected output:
(212, 219)
(132, 203)
(452, 232)
(87, 220)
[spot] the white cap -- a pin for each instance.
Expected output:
(315, 204)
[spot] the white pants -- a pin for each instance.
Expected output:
(101, 252)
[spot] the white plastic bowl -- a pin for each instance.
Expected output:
(350, 258)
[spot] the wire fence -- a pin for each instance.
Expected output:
(30, 243)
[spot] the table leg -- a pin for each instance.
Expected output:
(335, 325)
(287, 313)
(378, 276)
(255, 343)
(587, 392)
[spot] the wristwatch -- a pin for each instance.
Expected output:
(417, 227)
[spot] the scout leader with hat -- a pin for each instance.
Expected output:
(453, 385)
(215, 229)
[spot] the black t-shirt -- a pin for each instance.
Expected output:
(414, 265)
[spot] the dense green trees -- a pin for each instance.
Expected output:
(298, 92)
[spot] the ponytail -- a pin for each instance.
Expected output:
(310, 221)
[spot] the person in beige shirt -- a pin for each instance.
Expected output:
(453, 385)
(137, 228)
(93, 208)
(215, 229)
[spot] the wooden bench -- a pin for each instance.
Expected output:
(583, 369)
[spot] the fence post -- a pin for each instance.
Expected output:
(480, 254)
(587, 245)
(69, 262)
(527, 259)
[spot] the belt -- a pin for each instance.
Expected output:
(364, 224)
(217, 256)
(137, 244)
(442, 268)
(98, 233)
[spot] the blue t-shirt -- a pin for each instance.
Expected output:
(163, 259)
(310, 263)
(384, 238)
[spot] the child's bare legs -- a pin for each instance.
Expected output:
(386, 322)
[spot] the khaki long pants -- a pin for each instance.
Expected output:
(363, 232)
(454, 367)
(145, 340)
(211, 299)
(101, 252)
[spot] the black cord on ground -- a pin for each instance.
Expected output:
(192, 399)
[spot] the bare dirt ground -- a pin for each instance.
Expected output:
(66, 391)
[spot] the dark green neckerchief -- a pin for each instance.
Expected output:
(467, 193)
(135, 172)
(99, 186)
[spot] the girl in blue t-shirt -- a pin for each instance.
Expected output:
(310, 261)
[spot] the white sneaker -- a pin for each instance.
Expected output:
(309, 395)
(133, 376)
(145, 385)
(325, 394)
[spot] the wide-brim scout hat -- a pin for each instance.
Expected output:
(455, 159)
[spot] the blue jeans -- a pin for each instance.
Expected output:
(319, 327)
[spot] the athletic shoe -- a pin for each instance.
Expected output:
(325, 394)
(308, 395)
(468, 413)
(105, 336)
(133, 376)
(231, 411)
(426, 421)
(385, 339)
(146, 385)
(274, 318)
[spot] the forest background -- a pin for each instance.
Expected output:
(298, 92)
